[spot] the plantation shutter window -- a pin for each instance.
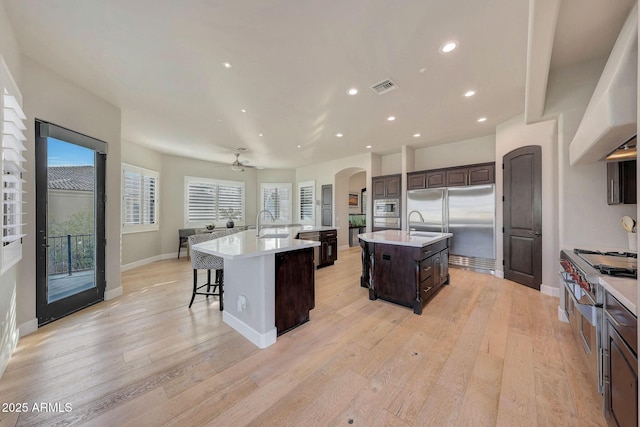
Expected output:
(306, 197)
(13, 138)
(210, 201)
(139, 199)
(276, 198)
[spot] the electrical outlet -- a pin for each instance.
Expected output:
(242, 303)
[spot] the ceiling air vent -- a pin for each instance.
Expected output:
(384, 86)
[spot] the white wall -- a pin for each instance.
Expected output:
(48, 96)
(147, 244)
(391, 164)
(327, 173)
(8, 319)
(585, 218)
(469, 151)
(513, 134)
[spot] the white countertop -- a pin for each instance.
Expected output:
(416, 239)
(625, 290)
(246, 244)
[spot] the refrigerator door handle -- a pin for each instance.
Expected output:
(445, 211)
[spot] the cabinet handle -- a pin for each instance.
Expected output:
(427, 253)
(611, 195)
(427, 269)
(615, 322)
(427, 290)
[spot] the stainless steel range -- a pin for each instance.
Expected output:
(584, 296)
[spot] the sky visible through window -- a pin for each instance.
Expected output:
(61, 153)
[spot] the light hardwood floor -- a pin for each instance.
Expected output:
(485, 352)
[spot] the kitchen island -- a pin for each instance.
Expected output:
(268, 280)
(407, 269)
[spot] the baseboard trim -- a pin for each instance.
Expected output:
(146, 261)
(550, 290)
(562, 315)
(260, 340)
(112, 293)
(343, 247)
(499, 274)
(28, 327)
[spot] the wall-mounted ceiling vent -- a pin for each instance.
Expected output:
(384, 86)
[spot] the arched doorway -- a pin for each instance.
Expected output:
(347, 181)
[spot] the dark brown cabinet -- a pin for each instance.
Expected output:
(405, 275)
(328, 248)
(426, 179)
(621, 182)
(294, 288)
(620, 364)
(387, 186)
(472, 175)
(452, 177)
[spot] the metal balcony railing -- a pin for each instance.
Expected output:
(71, 253)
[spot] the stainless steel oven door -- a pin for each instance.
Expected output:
(591, 312)
(387, 208)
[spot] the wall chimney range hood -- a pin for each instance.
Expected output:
(611, 116)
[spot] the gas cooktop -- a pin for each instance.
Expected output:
(619, 264)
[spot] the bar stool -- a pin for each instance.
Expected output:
(203, 261)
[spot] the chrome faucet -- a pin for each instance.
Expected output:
(409, 216)
(258, 220)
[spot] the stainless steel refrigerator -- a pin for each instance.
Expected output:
(468, 213)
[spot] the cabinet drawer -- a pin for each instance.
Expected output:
(624, 322)
(328, 234)
(426, 270)
(430, 250)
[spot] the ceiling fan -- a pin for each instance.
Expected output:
(239, 166)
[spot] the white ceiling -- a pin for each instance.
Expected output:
(161, 62)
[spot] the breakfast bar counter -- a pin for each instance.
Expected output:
(268, 280)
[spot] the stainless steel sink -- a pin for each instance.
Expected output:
(274, 236)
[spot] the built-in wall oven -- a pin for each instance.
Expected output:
(386, 208)
(386, 214)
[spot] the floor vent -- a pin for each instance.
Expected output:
(384, 86)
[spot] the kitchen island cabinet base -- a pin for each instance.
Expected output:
(405, 275)
(277, 291)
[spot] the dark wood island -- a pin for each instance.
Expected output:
(406, 269)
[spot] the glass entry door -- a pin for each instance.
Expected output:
(70, 221)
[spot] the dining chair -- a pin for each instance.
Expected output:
(183, 235)
(204, 261)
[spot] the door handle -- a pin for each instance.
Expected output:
(535, 233)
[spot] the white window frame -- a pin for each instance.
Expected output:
(218, 222)
(312, 185)
(279, 187)
(144, 173)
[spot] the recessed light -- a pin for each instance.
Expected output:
(259, 134)
(299, 146)
(391, 118)
(226, 64)
(416, 135)
(339, 135)
(243, 110)
(352, 91)
(469, 93)
(482, 119)
(368, 146)
(448, 46)
(423, 70)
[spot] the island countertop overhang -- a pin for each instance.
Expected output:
(416, 239)
(246, 244)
